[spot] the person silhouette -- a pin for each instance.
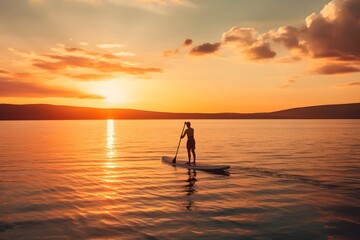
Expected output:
(190, 144)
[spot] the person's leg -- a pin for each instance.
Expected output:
(189, 155)
(194, 155)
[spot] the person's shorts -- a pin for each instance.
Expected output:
(190, 144)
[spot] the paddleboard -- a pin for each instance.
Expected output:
(183, 164)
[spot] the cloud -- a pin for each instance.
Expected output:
(205, 48)
(335, 32)
(11, 87)
(3, 71)
(241, 37)
(289, 59)
(245, 40)
(73, 62)
(260, 50)
(62, 63)
(83, 52)
(248, 42)
(335, 68)
(187, 42)
(287, 36)
(288, 83)
(47, 71)
(91, 76)
(63, 60)
(333, 35)
(124, 54)
(118, 68)
(350, 84)
(170, 53)
(109, 45)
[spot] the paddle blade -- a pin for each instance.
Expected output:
(174, 160)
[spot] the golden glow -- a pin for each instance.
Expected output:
(110, 165)
(112, 90)
(110, 140)
(114, 96)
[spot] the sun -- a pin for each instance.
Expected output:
(114, 95)
(113, 91)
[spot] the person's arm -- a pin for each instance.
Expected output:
(182, 136)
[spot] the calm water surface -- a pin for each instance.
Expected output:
(289, 179)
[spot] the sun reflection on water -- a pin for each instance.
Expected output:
(110, 140)
(110, 165)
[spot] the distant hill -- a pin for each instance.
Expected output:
(55, 112)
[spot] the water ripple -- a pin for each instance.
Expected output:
(104, 180)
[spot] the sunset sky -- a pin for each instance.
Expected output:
(180, 55)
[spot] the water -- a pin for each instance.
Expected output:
(289, 179)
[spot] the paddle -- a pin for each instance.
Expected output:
(174, 160)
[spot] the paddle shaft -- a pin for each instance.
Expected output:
(177, 150)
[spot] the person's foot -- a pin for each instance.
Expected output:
(194, 163)
(188, 163)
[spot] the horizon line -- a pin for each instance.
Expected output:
(156, 111)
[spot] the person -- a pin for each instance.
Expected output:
(190, 144)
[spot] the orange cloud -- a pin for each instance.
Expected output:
(109, 45)
(289, 59)
(351, 84)
(45, 70)
(124, 54)
(72, 59)
(87, 53)
(91, 76)
(336, 68)
(288, 83)
(109, 67)
(62, 63)
(170, 53)
(11, 87)
(3, 71)
(21, 76)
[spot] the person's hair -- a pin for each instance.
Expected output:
(188, 124)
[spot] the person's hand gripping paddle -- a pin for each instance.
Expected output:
(174, 160)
